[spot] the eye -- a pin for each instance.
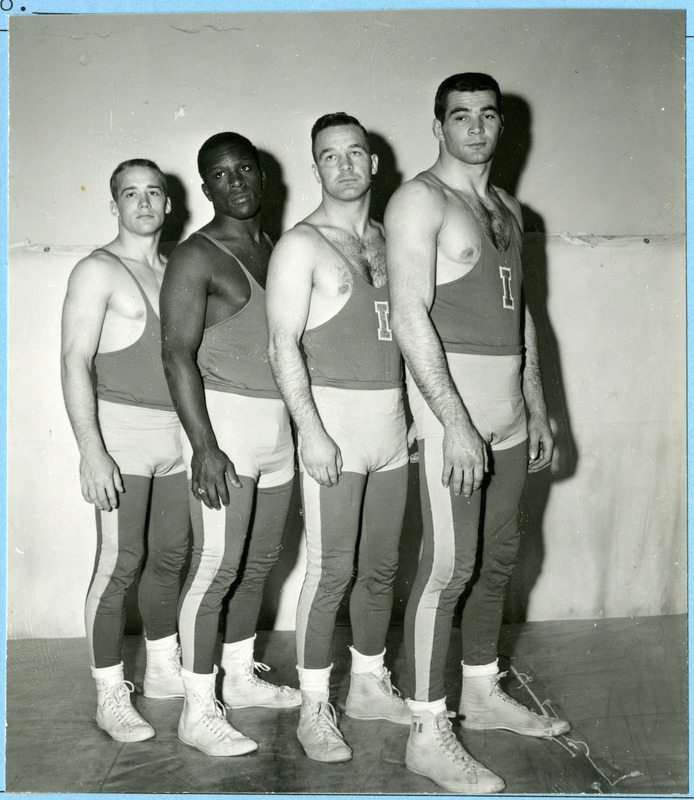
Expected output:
(246, 167)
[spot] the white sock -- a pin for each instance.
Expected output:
(362, 664)
(238, 651)
(315, 681)
(480, 670)
(167, 643)
(436, 707)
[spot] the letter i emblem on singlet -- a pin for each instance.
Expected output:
(505, 274)
(383, 312)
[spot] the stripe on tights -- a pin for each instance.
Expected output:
(314, 553)
(212, 522)
(103, 570)
(443, 564)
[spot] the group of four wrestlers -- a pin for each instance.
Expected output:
(189, 421)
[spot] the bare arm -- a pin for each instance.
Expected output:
(413, 220)
(183, 303)
(289, 287)
(84, 310)
(541, 440)
(540, 437)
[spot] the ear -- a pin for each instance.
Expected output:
(114, 208)
(437, 128)
(167, 207)
(374, 163)
(316, 174)
(206, 191)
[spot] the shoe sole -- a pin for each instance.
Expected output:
(162, 696)
(294, 704)
(491, 726)
(474, 788)
(242, 751)
(364, 718)
(339, 760)
(127, 740)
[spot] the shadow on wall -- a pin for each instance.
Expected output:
(387, 179)
(274, 196)
(509, 162)
(177, 219)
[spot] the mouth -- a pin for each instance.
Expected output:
(145, 216)
(241, 197)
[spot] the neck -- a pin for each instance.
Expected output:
(352, 216)
(459, 175)
(232, 228)
(144, 249)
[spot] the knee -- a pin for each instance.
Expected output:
(256, 570)
(377, 581)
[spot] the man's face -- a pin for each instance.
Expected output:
(141, 203)
(471, 126)
(233, 181)
(343, 165)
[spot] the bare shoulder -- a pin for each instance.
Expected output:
(512, 204)
(98, 269)
(296, 248)
(417, 201)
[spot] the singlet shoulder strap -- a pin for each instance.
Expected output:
(332, 245)
(446, 186)
(463, 200)
(130, 272)
(268, 240)
(222, 247)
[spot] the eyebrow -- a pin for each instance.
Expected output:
(465, 108)
(349, 147)
(149, 186)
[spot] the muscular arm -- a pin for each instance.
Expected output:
(183, 303)
(289, 287)
(84, 310)
(413, 220)
(541, 440)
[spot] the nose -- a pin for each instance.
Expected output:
(144, 201)
(236, 179)
(346, 164)
(476, 125)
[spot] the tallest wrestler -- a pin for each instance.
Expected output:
(239, 451)
(455, 275)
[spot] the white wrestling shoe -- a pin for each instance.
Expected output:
(242, 688)
(434, 751)
(318, 732)
(115, 713)
(485, 706)
(163, 672)
(374, 697)
(203, 723)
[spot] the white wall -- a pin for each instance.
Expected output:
(595, 146)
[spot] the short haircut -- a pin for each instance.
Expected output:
(464, 82)
(228, 139)
(334, 120)
(135, 162)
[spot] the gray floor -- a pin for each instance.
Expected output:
(621, 683)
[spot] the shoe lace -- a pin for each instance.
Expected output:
(174, 661)
(215, 719)
(118, 702)
(388, 687)
(258, 681)
(449, 743)
(496, 689)
(325, 721)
